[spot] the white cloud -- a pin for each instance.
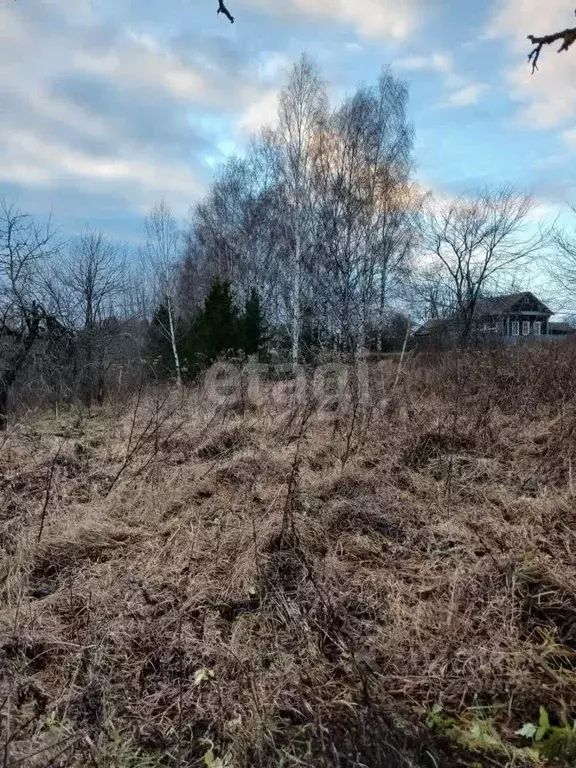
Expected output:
(107, 111)
(273, 65)
(53, 161)
(570, 137)
(466, 96)
(520, 18)
(47, 138)
(376, 19)
(141, 63)
(437, 61)
(462, 93)
(261, 112)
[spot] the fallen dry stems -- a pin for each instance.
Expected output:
(258, 601)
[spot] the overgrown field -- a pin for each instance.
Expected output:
(294, 582)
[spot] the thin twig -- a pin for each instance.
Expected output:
(49, 489)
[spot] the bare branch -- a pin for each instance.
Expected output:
(476, 239)
(24, 245)
(568, 36)
(222, 9)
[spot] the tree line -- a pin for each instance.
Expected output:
(316, 243)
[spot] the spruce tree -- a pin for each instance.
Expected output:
(252, 325)
(215, 329)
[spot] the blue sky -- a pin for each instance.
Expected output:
(110, 105)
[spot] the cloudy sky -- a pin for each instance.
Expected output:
(109, 105)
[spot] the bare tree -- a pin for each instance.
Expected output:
(164, 250)
(475, 240)
(87, 289)
(561, 265)
(364, 206)
(430, 296)
(302, 113)
(24, 247)
(568, 36)
(319, 216)
(220, 225)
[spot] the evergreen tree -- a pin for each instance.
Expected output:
(215, 329)
(253, 327)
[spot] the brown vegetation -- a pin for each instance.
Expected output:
(394, 585)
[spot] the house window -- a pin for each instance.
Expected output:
(515, 328)
(537, 328)
(525, 327)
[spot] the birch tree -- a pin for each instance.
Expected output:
(163, 249)
(235, 233)
(319, 216)
(302, 113)
(397, 201)
(365, 206)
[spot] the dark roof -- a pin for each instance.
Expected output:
(430, 326)
(499, 305)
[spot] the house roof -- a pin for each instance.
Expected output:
(499, 305)
(432, 326)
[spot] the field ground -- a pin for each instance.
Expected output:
(392, 584)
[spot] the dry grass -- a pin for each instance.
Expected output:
(244, 587)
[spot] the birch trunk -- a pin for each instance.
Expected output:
(172, 331)
(296, 288)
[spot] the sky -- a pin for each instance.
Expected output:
(108, 106)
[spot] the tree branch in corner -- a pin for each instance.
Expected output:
(568, 37)
(222, 9)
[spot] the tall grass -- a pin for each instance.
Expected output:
(275, 586)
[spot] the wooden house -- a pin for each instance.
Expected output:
(505, 319)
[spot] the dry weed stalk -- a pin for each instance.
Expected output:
(258, 601)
